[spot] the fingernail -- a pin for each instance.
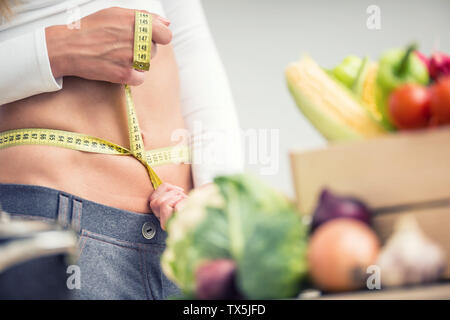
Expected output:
(164, 20)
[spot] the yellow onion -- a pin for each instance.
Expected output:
(339, 253)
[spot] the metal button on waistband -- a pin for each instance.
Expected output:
(148, 230)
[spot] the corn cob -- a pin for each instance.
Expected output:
(328, 105)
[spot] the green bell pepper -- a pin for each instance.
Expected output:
(347, 71)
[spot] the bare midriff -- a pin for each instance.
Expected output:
(98, 109)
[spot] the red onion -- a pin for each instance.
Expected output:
(332, 206)
(216, 280)
(439, 65)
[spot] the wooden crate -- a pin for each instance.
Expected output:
(398, 174)
(435, 291)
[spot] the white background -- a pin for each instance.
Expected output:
(258, 38)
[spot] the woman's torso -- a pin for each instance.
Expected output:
(98, 109)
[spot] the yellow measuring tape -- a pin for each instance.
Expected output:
(142, 41)
(82, 142)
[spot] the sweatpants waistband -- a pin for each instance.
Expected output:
(80, 214)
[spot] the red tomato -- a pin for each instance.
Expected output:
(409, 106)
(440, 101)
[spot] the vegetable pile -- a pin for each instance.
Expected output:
(236, 238)
(239, 239)
(361, 98)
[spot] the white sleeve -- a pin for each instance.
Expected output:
(206, 100)
(25, 67)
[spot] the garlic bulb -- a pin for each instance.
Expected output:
(409, 257)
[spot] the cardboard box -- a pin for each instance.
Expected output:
(403, 173)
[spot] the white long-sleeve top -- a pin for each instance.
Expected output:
(206, 99)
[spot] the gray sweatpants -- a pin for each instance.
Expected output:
(119, 250)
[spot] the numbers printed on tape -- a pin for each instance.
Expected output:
(142, 45)
(136, 142)
(59, 138)
(81, 142)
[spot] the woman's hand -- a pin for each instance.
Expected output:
(165, 200)
(102, 48)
